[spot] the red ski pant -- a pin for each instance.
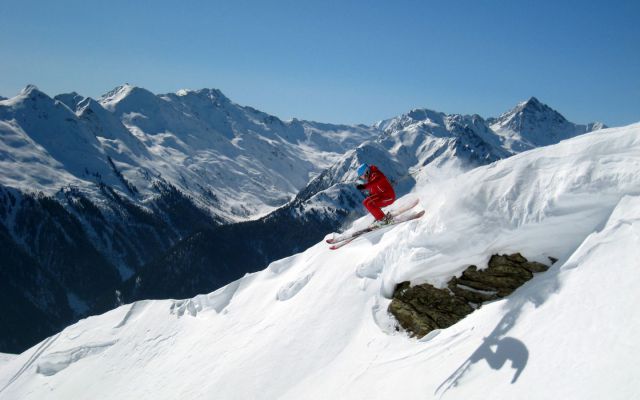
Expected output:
(375, 202)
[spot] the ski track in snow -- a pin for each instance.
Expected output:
(39, 350)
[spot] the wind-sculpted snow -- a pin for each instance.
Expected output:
(135, 309)
(52, 363)
(217, 301)
(292, 288)
(569, 333)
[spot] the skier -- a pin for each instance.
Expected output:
(381, 193)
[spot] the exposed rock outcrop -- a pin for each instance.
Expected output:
(422, 308)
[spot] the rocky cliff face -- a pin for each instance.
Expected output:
(423, 308)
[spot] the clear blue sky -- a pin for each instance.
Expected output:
(337, 61)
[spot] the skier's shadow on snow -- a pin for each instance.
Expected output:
(496, 349)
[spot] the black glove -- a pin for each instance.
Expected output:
(361, 187)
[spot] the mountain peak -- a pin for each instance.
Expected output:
(534, 106)
(121, 91)
(31, 91)
(531, 109)
(88, 103)
(201, 92)
(421, 114)
(209, 94)
(71, 100)
(130, 93)
(413, 117)
(532, 123)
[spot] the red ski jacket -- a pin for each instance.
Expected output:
(378, 183)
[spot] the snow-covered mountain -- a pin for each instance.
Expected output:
(533, 124)
(147, 189)
(252, 161)
(197, 141)
(422, 144)
(426, 146)
(97, 189)
(315, 325)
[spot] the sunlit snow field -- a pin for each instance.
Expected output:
(315, 326)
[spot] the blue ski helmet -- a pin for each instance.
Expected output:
(362, 169)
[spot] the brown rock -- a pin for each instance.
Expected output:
(534, 266)
(423, 308)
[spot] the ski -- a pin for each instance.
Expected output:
(404, 208)
(353, 236)
(394, 213)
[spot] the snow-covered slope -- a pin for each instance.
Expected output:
(5, 358)
(422, 144)
(91, 191)
(136, 177)
(315, 325)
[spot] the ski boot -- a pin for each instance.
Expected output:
(386, 220)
